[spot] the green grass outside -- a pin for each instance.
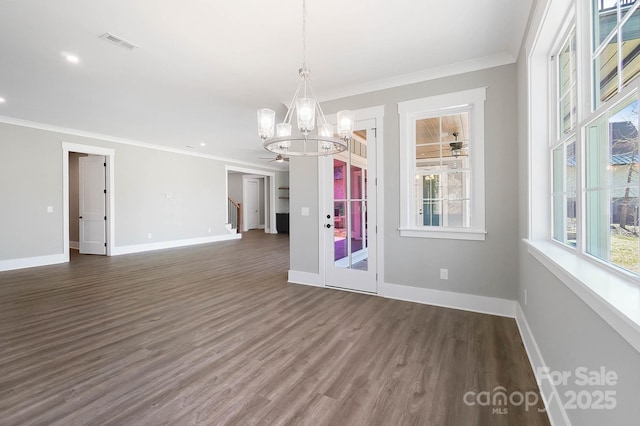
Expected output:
(625, 252)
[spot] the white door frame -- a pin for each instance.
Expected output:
(377, 113)
(245, 199)
(269, 183)
(109, 155)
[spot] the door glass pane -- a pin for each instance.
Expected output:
(431, 213)
(340, 230)
(350, 214)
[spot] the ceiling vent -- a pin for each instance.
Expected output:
(118, 41)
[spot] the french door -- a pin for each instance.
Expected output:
(350, 213)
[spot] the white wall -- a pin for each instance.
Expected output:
(487, 268)
(31, 180)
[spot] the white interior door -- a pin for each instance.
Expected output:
(92, 209)
(252, 204)
(350, 213)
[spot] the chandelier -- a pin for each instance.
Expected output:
(278, 138)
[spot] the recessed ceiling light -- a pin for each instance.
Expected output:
(71, 58)
(203, 144)
(2, 100)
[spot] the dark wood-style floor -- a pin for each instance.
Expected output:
(213, 334)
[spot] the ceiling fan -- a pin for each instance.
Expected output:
(279, 159)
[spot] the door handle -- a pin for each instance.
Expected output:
(80, 217)
(328, 225)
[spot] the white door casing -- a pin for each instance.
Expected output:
(252, 204)
(92, 209)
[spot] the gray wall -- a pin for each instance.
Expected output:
(568, 332)
(74, 196)
(485, 268)
(31, 180)
(235, 186)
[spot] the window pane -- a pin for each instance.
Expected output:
(598, 212)
(570, 164)
(606, 73)
(455, 123)
(431, 213)
(558, 178)
(631, 48)
(624, 230)
(623, 164)
(565, 67)
(597, 154)
(625, 6)
(457, 186)
(457, 213)
(428, 152)
(570, 224)
(558, 218)
(566, 117)
(428, 131)
(605, 18)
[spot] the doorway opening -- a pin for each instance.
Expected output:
(250, 200)
(88, 199)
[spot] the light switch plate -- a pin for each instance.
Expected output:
(305, 211)
(49, 209)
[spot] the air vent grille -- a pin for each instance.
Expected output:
(118, 41)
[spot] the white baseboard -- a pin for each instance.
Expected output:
(74, 245)
(306, 278)
(138, 248)
(449, 299)
(31, 262)
(553, 404)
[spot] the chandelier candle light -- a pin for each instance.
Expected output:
(307, 109)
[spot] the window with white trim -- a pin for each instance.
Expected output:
(594, 153)
(442, 166)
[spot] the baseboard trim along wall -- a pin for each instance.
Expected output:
(449, 299)
(31, 262)
(555, 408)
(305, 278)
(138, 248)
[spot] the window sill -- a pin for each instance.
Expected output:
(614, 298)
(444, 233)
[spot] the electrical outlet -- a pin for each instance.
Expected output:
(49, 209)
(444, 274)
(525, 297)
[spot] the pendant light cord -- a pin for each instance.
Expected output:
(304, 33)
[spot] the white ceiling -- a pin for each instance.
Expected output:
(204, 67)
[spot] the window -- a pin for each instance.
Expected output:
(442, 166)
(564, 149)
(594, 154)
(583, 155)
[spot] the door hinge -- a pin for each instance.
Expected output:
(376, 229)
(376, 276)
(105, 218)
(105, 244)
(105, 164)
(105, 191)
(375, 131)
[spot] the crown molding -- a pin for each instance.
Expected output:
(420, 76)
(124, 141)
